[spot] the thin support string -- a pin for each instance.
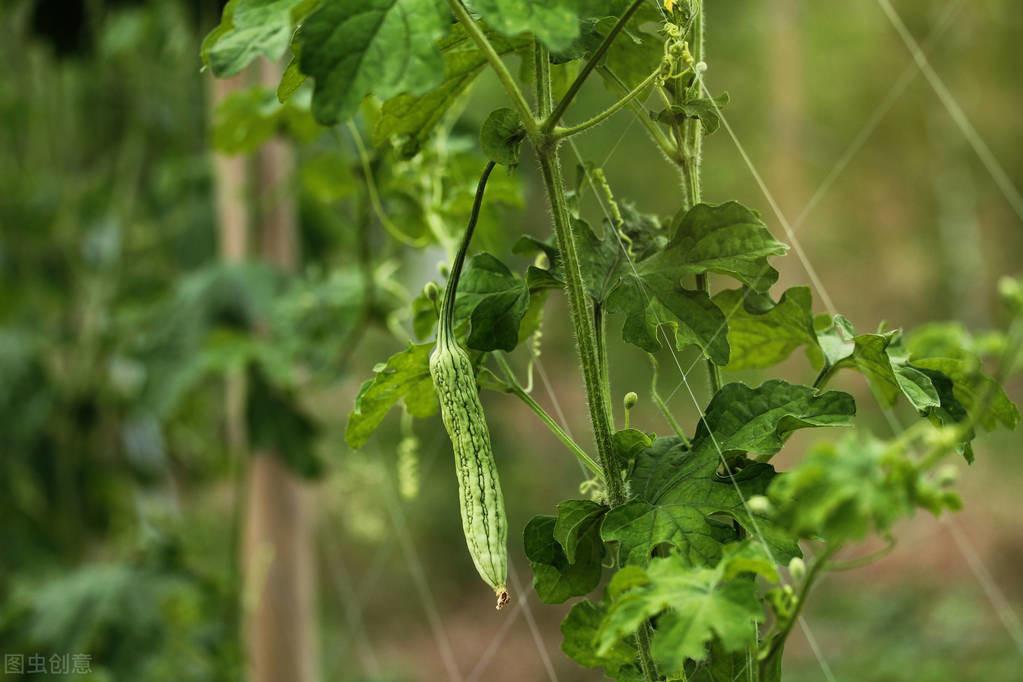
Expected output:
(987, 582)
(874, 120)
(538, 639)
(353, 613)
(962, 121)
(415, 567)
(816, 649)
(495, 644)
(818, 285)
(368, 585)
(556, 404)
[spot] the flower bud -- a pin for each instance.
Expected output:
(431, 291)
(630, 400)
(758, 504)
(797, 569)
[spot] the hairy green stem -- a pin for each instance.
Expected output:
(600, 327)
(594, 380)
(692, 158)
(585, 334)
(598, 55)
(569, 131)
(516, 389)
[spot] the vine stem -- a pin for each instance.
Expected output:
(658, 137)
(554, 186)
(582, 313)
(692, 158)
(569, 131)
(586, 341)
(515, 388)
(804, 591)
(591, 63)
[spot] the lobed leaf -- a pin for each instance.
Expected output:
(579, 630)
(764, 338)
(494, 300)
(694, 606)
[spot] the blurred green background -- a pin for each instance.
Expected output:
(122, 489)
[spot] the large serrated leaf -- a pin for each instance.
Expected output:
(494, 300)
(374, 47)
(556, 22)
(678, 494)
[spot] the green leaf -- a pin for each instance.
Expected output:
(704, 110)
(628, 443)
(279, 426)
(698, 605)
(579, 630)
(693, 315)
(642, 313)
(940, 340)
(556, 23)
(292, 79)
(376, 47)
(494, 300)
(555, 578)
(415, 116)
(888, 377)
(677, 493)
(762, 339)
(968, 386)
(728, 238)
(576, 519)
(835, 338)
(424, 316)
(636, 53)
(406, 377)
(501, 137)
(247, 119)
(842, 491)
(601, 260)
(250, 29)
(758, 421)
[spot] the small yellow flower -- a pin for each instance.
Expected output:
(669, 5)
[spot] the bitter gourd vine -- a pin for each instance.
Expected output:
(479, 490)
